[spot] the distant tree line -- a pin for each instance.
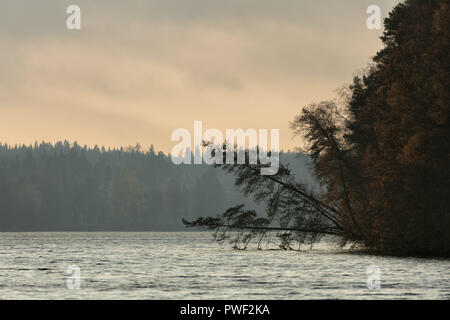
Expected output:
(61, 187)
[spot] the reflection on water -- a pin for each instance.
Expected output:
(157, 265)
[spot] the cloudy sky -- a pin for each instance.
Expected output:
(137, 70)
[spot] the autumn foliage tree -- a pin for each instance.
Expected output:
(398, 134)
(382, 156)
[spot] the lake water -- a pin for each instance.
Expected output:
(188, 265)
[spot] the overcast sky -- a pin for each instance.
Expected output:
(137, 70)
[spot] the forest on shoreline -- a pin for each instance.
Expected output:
(381, 152)
(68, 187)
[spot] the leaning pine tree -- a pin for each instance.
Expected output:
(382, 156)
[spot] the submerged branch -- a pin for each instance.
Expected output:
(201, 224)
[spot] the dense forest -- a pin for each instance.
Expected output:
(381, 151)
(66, 186)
